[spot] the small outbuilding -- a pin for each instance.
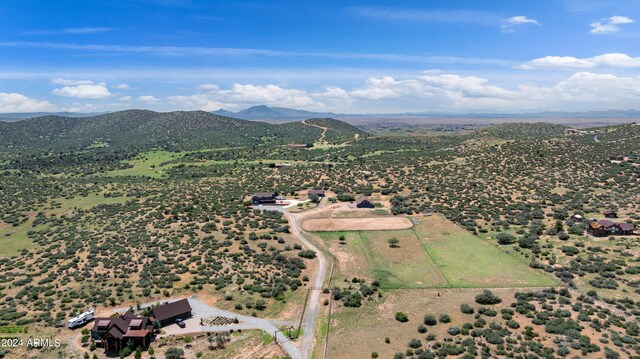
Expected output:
(168, 313)
(610, 214)
(364, 202)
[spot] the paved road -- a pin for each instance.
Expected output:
(202, 310)
(313, 304)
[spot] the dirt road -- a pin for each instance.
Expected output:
(313, 304)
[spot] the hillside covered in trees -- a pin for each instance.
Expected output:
(142, 129)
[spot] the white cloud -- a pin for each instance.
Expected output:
(430, 91)
(620, 20)
(122, 87)
(81, 89)
(269, 94)
(63, 81)
(427, 16)
(15, 102)
(446, 92)
(582, 5)
(585, 90)
(613, 60)
(73, 31)
(379, 88)
(204, 102)
(609, 25)
(247, 52)
(517, 20)
(148, 98)
(211, 87)
(334, 92)
(213, 97)
(125, 98)
(511, 23)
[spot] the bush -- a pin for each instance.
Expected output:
(430, 319)
(487, 298)
(577, 229)
(402, 317)
(444, 318)
(506, 238)
(125, 352)
(466, 309)
(453, 331)
(174, 353)
(308, 253)
(513, 324)
(374, 354)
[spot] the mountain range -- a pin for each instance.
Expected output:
(17, 116)
(180, 130)
(266, 113)
(284, 114)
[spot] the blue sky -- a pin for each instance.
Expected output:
(342, 56)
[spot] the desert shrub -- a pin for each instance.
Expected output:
(402, 317)
(506, 238)
(430, 319)
(466, 309)
(487, 298)
(174, 353)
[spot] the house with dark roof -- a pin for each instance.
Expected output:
(364, 202)
(605, 228)
(168, 313)
(128, 329)
(317, 192)
(263, 197)
(610, 214)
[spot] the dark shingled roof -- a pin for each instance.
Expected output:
(362, 199)
(103, 323)
(627, 226)
(170, 310)
(606, 224)
(118, 327)
(264, 194)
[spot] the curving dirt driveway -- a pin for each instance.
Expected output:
(201, 310)
(313, 304)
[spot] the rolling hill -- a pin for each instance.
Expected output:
(169, 130)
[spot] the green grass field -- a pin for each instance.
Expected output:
(153, 163)
(14, 239)
(434, 254)
(467, 261)
(147, 164)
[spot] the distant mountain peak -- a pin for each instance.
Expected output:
(284, 114)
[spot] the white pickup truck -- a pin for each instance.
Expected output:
(81, 319)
